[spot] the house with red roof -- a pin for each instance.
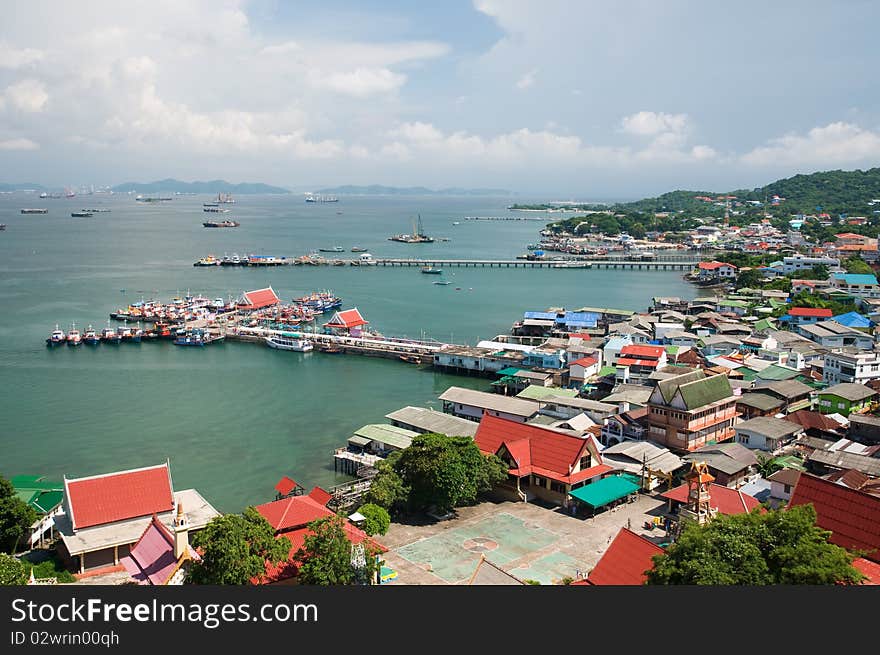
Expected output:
(582, 369)
(709, 271)
(542, 463)
(106, 515)
(808, 315)
(642, 360)
(290, 517)
(348, 322)
(626, 561)
(162, 556)
(258, 299)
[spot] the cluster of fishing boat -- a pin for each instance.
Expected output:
(179, 310)
(179, 335)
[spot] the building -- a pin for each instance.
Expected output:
(105, 515)
(652, 464)
(252, 300)
(542, 463)
(720, 499)
(689, 411)
(782, 483)
(641, 360)
(162, 555)
(767, 433)
(864, 429)
(626, 561)
(831, 334)
(795, 394)
(853, 366)
(805, 315)
(46, 497)
(422, 420)
(626, 426)
(711, 271)
(731, 464)
(844, 398)
(582, 369)
(856, 284)
(471, 405)
(348, 322)
(852, 516)
(797, 263)
(752, 404)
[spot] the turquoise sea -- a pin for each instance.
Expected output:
(233, 417)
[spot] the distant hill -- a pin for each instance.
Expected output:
(212, 186)
(22, 186)
(379, 190)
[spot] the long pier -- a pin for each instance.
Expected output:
(563, 264)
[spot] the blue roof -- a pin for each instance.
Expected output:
(759, 489)
(585, 317)
(853, 320)
(546, 316)
(856, 278)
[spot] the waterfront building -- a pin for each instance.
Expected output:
(422, 420)
(543, 463)
(716, 271)
(162, 556)
(252, 300)
(472, 405)
(844, 398)
(348, 323)
(689, 411)
(105, 515)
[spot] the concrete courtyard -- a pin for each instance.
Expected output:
(527, 540)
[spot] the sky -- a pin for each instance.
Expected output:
(571, 98)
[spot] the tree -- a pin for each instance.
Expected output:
(387, 489)
(856, 264)
(16, 517)
(750, 278)
(767, 466)
(235, 548)
(445, 472)
(773, 547)
(326, 556)
(12, 571)
(377, 519)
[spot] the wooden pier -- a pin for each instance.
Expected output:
(561, 264)
(349, 494)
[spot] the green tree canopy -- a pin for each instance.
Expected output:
(326, 556)
(387, 489)
(377, 519)
(235, 549)
(856, 264)
(12, 571)
(445, 472)
(773, 547)
(16, 517)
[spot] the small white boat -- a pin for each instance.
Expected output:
(289, 343)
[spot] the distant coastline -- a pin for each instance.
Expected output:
(379, 190)
(211, 186)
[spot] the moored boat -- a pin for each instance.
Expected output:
(81, 214)
(331, 349)
(109, 335)
(281, 342)
(74, 338)
(210, 260)
(33, 210)
(430, 270)
(91, 338)
(57, 337)
(221, 223)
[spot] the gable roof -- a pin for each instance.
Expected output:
(699, 393)
(151, 560)
(491, 401)
(626, 561)
(815, 420)
(669, 386)
(539, 450)
(294, 512)
(849, 391)
(259, 298)
(586, 362)
(785, 389)
(852, 516)
(111, 497)
(724, 499)
(350, 318)
(286, 485)
(640, 351)
(768, 426)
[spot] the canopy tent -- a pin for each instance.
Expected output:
(604, 491)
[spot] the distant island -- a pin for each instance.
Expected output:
(24, 186)
(379, 190)
(212, 186)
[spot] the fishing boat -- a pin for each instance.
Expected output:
(210, 260)
(109, 335)
(195, 337)
(91, 338)
(281, 342)
(418, 235)
(358, 249)
(333, 249)
(81, 214)
(442, 283)
(57, 337)
(31, 210)
(430, 270)
(412, 359)
(221, 223)
(456, 222)
(331, 349)
(74, 338)
(319, 302)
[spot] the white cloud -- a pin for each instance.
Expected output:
(649, 123)
(835, 143)
(18, 144)
(286, 48)
(526, 80)
(28, 95)
(360, 82)
(11, 57)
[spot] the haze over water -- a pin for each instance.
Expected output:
(234, 417)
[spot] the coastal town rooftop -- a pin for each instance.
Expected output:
(421, 419)
(490, 401)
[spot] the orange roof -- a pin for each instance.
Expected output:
(711, 266)
(286, 485)
(869, 569)
(319, 495)
(348, 319)
(118, 496)
(628, 361)
(585, 362)
(294, 512)
(850, 235)
(626, 561)
(724, 499)
(643, 351)
(260, 298)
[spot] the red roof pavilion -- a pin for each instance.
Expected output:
(259, 299)
(626, 561)
(350, 318)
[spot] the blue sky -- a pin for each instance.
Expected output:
(583, 98)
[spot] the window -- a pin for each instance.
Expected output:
(841, 405)
(786, 488)
(585, 462)
(558, 487)
(538, 481)
(743, 438)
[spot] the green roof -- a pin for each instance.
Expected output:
(672, 350)
(776, 304)
(45, 501)
(776, 372)
(607, 370)
(604, 491)
(764, 324)
(670, 385)
(387, 434)
(790, 462)
(41, 494)
(510, 370)
(705, 392)
(537, 392)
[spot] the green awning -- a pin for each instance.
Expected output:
(604, 491)
(510, 370)
(359, 441)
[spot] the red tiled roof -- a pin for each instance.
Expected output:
(711, 266)
(852, 247)
(520, 452)
(626, 561)
(627, 361)
(319, 495)
(869, 569)
(850, 235)
(286, 485)
(585, 362)
(643, 351)
(852, 516)
(584, 474)
(549, 450)
(724, 499)
(118, 496)
(810, 311)
(294, 512)
(260, 298)
(809, 419)
(348, 319)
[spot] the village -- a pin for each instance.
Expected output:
(616, 430)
